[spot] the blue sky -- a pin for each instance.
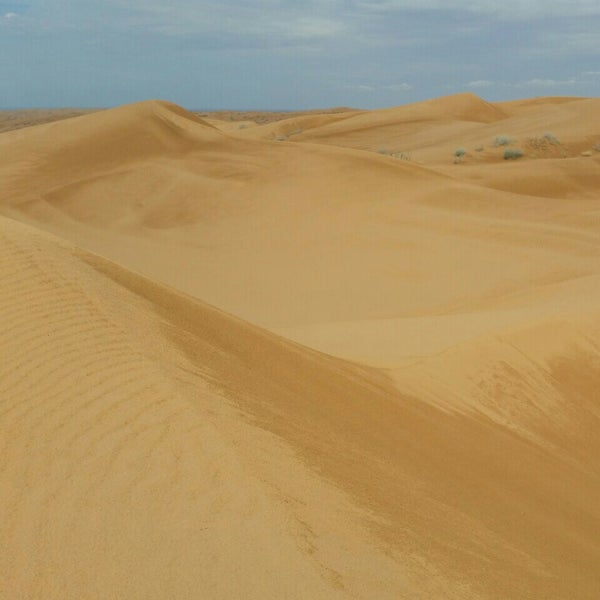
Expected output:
(293, 54)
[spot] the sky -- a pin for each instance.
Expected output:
(294, 54)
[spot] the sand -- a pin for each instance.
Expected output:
(314, 357)
(17, 119)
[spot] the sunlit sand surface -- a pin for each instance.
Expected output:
(323, 356)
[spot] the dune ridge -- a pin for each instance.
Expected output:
(125, 472)
(429, 132)
(121, 393)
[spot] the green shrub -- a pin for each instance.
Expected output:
(512, 153)
(502, 140)
(458, 155)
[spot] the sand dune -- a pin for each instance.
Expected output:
(430, 132)
(242, 223)
(137, 459)
(128, 469)
(295, 126)
(434, 436)
(362, 129)
(17, 119)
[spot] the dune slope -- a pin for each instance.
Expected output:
(154, 446)
(127, 468)
(243, 224)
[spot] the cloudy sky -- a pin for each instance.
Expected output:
(292, 54)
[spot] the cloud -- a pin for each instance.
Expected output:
(392, 87)
(307, 27)
(267, 18)
(480, 83)
(580, 42)
(547, 83)
(398, 87)
(297, 54)
(275, 19)
(508, 9)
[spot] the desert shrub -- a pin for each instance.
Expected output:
(402, 155)
(502, 140)
(281, 138)
(551, 138)
(383, 151)
(458, 155)
(542, 144)
(597, 146)
(479, 149)
(512, 153)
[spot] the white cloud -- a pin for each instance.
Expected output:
(10, 15)
(393, 87)
(270, 22)
(261, 18)
(307, 27)
(546, 83)
(361, 87)
(480, 83)
(398, 87)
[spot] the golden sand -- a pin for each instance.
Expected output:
(320, 357)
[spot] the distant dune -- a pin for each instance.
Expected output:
(322, 357)
(18, 119)
(234, 119)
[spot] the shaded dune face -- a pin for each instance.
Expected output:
(435, 436)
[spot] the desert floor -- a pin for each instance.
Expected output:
(334, 354)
